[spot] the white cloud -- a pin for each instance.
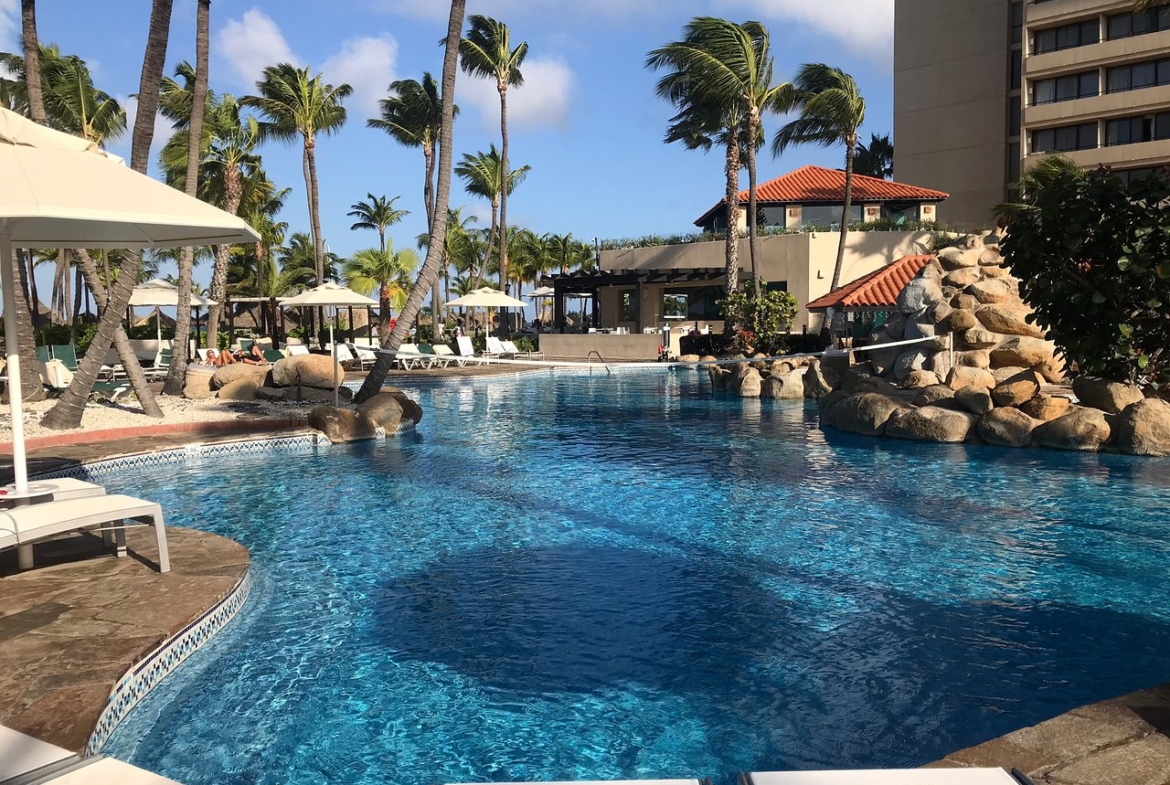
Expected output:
(367, 64)
(251, 44)
(9, 25)
(517, 9)
(542, 101)
(865, 26)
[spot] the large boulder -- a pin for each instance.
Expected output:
(1022, 351)
(818, 381)
(959, 321)
(919, 379)
(963, 277)
(828, 407)
(883, 360)
(1003, 373)
(230, 373)
(918, 295)
(955, 258)
(1046, 407)
(786, 386)
(1008, 319)
(271, 393)
(961, 377)
(1016, 390)
(1144, 428)
(391, 409)
(239, 390)
(865, 413)
(197, 385)
(310, 370)
(994, 290)
(749, 383)
(1006, 427)
(932, 424)
(913, 360)
(1082, 429)
(975, 358)
(934, 395)
(1111, 397)
(975, 399)
(306, 393)
(342, 425)
(978, 338)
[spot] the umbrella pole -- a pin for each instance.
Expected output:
(19, 465)
(333, 354)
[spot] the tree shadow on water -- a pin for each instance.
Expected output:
(579, 618)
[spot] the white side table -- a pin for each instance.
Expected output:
(35, 490)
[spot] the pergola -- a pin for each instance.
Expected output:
(583, 283)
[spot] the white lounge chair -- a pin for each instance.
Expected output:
(444, 351)
(60, 489)
(882, 777)
(365, 357)
(493, 348)
(411, 357)
(29, 759)
(31, 523)
(297, 348)
(466, 347)
(510, 347)
(100, 770)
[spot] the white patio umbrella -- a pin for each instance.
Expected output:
(158, 292)
(539, 294)
(329, 295)
(61, 191)
(486, 297)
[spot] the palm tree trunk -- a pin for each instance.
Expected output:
(148, 88)
(505, 284)
(430, 269)
(753, 217)
(232, 195)
(32, 61)
(68, 410)
(315, 220)
(177, 373)
(429, 185)
(29, 284)
(850, 147)
(731, 243)
(78, 295)
(493, 238)
(31, 386)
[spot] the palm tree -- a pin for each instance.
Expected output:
(831, 110)
(387, 271)
(412, 115)
(483, 174)
(875, 159)
(297, 104)
(720, 79)
(32, 61)
(430, 269)
(177, 373)
(378, 213)
(71, 405)
(487, 52)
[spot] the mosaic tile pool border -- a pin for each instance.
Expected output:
(306, 442)
(144, 676)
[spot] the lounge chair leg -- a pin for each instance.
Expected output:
(120, 540)
(160, 534)
(24, 557)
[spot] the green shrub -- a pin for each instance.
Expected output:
(763, 321)
(1093, 258)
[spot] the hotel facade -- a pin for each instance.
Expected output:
(984, 88)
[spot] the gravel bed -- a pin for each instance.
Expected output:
(107, 416)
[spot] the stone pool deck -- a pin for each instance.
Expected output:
(70, 628)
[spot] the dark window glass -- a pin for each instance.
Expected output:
(1016, 70)
(1014, 115)
(1149, 21)
(1066, 138)
(1045, 41)
(1144, 75)
(1017, 23)
(1117, 79)
(1162, 126)
(1044, 91)
(1042, 141)
(1090, 84)
(1164, 72)
(1120, 26)
(1013, 162)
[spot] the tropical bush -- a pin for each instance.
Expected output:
(762, 320)
(1093, 257)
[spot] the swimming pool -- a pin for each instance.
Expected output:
(588, 577)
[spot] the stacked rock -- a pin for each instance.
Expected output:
(302, 377)
(989, 389)
(757, 377)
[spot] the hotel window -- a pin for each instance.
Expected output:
(1137, 75)
(1130, 176)
(1065, 139)
(1017, 23)
(1065, 88)
(1134, 130)
(1066, 37)
(1152, 20)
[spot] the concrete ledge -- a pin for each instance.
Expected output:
(206, 427)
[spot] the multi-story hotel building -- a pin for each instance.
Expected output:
(983, 88)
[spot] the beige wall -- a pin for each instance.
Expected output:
(805, 261)
(950, 102)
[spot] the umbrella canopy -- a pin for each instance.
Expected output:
(544, 291)
(60, 191)
(328, 293)
(332, 295)
(486, 297)
(159, 292)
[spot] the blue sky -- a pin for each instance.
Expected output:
(587, 120)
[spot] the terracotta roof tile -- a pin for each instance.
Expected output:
(813, 184)
(879, 289)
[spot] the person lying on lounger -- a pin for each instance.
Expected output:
(219, 359)
(253, 356)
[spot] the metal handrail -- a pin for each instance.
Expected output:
(600, 359)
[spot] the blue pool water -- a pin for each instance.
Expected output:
(578, 577)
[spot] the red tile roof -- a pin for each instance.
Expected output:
(879, 289)
(812, 184)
